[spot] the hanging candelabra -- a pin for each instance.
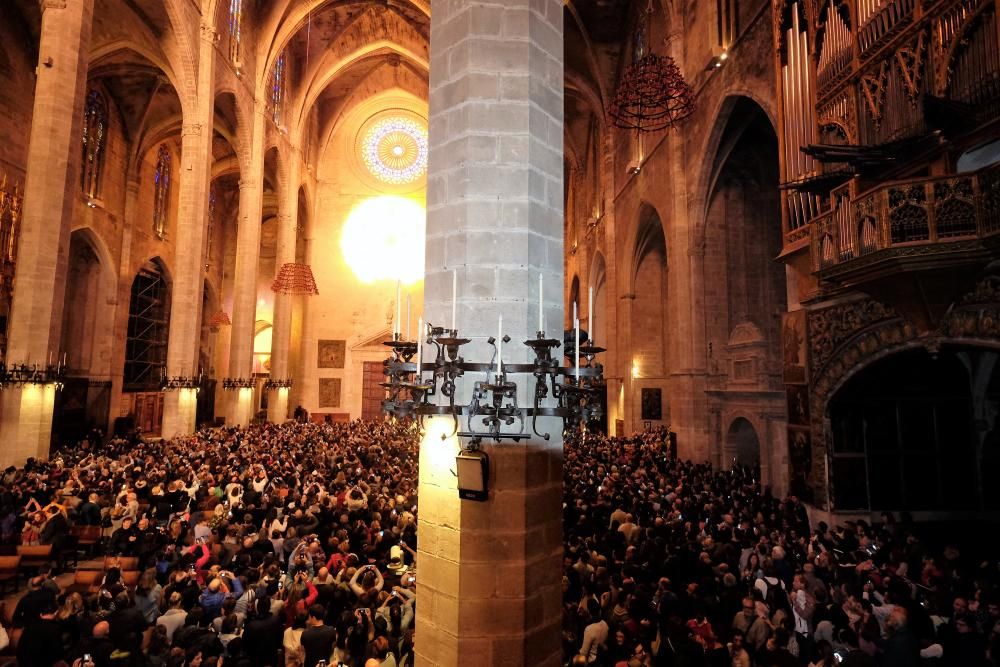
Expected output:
(652, 93)
(493, 412)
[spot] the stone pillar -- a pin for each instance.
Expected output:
(281, 336)
(51, 187)
(240, 404)
(180, 406)
(489, 572)
(123, 297)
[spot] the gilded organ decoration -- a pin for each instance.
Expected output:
(911, 65)
(11, 199)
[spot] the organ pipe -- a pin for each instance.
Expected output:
(800, 119)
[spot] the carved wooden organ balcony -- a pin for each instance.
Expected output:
(874, 94)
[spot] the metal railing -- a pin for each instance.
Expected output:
(908, 213)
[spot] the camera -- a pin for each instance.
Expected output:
(839, 656)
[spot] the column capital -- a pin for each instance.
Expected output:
(247, 183)
(209, 33)
(191, 130)
(53, 4)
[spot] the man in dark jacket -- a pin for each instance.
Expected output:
(901, 648)
(262, 633)
(41, 644)
(29, 607)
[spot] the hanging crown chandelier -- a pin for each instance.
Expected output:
(295, 279)
(220, 319)
(652, 94)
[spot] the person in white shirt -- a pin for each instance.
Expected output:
(595, 635)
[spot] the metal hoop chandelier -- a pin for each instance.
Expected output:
(652, 94)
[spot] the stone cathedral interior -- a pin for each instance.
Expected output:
(271, 269)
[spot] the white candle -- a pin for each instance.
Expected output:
(590, 314)
(541, 304)
(398, 328)
(454, 298)
(574, 314)
(576, 325)
(50, 358)
(408, 317)
(499, 344)
(420, 347)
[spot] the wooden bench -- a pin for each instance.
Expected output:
(88, 537)
(10, 573)
(85, 581)
(34, 557)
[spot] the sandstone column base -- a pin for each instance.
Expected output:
(180, 410)
(277, 406)
(240, 407)
(26, 423)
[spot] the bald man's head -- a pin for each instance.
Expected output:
(101, 630)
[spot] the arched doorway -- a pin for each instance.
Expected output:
(742, 443)
(904, 433)
(648, 322)
(86, 342)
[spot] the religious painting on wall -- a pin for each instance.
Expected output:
(331, 353)
(799, 460)
(652, 403)
(329, 392)
(793, 343)
(798, 404)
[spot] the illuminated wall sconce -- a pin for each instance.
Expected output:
(635, 370)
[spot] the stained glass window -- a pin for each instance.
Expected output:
(278, 84)
(95, 136)
(395, 150)
(235, 26)
(161, 191)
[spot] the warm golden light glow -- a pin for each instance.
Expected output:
(437, 452)
(635, 369)
(383, 239)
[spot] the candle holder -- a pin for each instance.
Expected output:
(178, 382)
(494, 398)
(277, 384)
(19, 375)
(235, 384)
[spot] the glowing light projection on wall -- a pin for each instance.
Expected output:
(395, 150)
(383, 239)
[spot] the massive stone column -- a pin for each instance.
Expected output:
(489, 572)
(281, 337)
(51, 187)
(180, 406)
(239, 403)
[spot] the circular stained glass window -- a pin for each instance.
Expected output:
(395, 150)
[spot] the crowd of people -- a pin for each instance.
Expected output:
(292, 544)
(296, 545)
(673, 563)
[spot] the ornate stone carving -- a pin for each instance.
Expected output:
(830, 328)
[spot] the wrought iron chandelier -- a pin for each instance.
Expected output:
(652, 94)
(493, 407)
(295, 279)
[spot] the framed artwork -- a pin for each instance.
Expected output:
(331, 353)
(798, 404)
(799, 453)
(329, 392)
(793, 346)
(652, 403)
